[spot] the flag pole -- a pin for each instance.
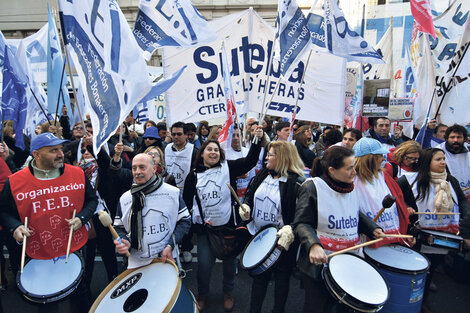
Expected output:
(58, 96)
(361, 68)
(40, 106)
(69, 67)
(451, 78)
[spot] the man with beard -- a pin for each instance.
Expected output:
(457, 155)
(47, 192)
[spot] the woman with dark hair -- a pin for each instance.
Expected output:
(433, 189)
(206, 191)
(403, 159)
(302, 136)
(148, 124)
(151, 139)
(272, 193)
(202, 131)
(330, 195)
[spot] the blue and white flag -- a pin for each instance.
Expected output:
(56, 72)
(14, 101)
(145, 111)
(110, 65)
(332, 31)
(408, 89)
(292, 36)
(175, 23)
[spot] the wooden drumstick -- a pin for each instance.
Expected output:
(398, 236)
(466, 188)
(234, 194)
(355, 247)
(23, 251)
(70, 238)
(387, 202)
(437, 213)
(105, 219)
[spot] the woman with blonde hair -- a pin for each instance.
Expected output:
(403, 159)
(278, 183)
(373, 185)
(157, 154)
(214, 132)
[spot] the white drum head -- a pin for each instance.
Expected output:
(259, 247)
(442, 234)
(358, 279)
(398, 257)
(47, 277)
(158, 280)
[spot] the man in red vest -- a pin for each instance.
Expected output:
(47, 192)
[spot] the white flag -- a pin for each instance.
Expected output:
(170, 23)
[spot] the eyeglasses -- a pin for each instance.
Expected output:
(412, 159)
(177, 134)
(154, 154)
(78, 128)
(270, 155)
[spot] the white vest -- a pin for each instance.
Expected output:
(459, 166)
(446, 223)
(338, 217)
(215, 196)
(370, 203)
(242, 183)
(178, 163)
(267, 208)
(159, 215)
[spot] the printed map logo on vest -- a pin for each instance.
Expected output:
(211, 196)
(266, 216)
(178, 172)
(155, 229)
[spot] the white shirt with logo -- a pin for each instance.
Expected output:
(159, 217)
(178, 163)
(459, 166)
(338, 217)
(267, 205)
(215, 196)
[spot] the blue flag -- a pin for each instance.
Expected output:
(55, 71)
(170, 23)
(110, 65)
(14, 101)
(292, 36)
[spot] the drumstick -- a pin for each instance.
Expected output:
(398, 236)
(387, 202)
(466, 188)
(234, 194)
(437, 213)
(105, 219)
(70, 238)
(23, 251)
(355, 247)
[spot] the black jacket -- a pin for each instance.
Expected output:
(464, 207)
(236, 168)
(306, 222)
(289, 191)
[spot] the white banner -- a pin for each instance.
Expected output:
(198, 94)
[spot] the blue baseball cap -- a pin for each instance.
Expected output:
(365, 146)
(45, 140)
(151, 132)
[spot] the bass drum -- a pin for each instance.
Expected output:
(355, 283)
(156, 287)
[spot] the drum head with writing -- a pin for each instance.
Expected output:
(146, 289)
(259, 247)
(44, 278)
(398, 257)
(358, 279)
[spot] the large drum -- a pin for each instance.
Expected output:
(405, 271)
(262, 252)
(156, 287)
(355, 283)
(46, 281)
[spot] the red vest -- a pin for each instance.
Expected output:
(4, 173)
(47, 203)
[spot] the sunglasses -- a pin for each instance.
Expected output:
(177, 134)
